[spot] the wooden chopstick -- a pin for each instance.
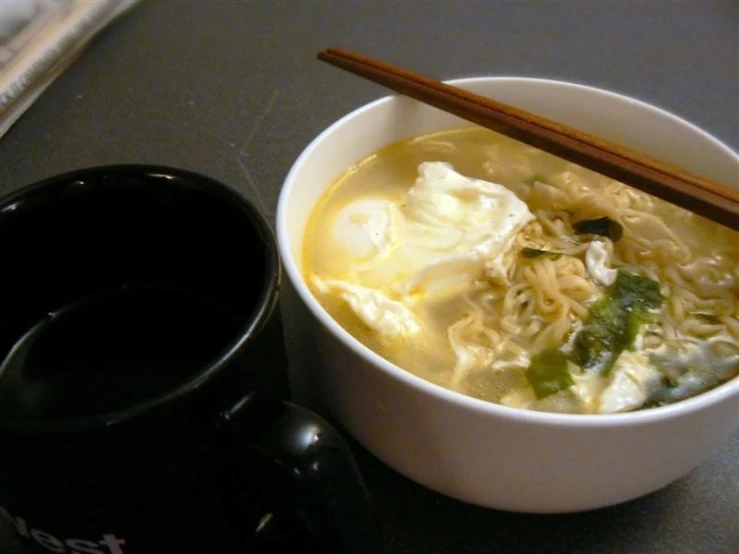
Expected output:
(710, 199)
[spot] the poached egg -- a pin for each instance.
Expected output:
(447, 230)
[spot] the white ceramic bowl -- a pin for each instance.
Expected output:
(466, 448)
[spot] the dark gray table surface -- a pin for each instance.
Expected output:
(233, 90)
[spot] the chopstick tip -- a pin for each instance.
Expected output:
(325, 53)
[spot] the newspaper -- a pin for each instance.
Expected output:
(38, 40)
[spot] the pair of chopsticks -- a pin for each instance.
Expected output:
(702, 196)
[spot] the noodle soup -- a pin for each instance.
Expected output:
(510, 275)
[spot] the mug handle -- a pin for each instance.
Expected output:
(307, 476)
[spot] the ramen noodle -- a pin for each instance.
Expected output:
(510, 275)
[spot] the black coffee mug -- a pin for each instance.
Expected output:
(143, 380)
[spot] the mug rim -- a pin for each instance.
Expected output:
(264, 306)
(443, 394)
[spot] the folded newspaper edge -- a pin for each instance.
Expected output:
(19, 90)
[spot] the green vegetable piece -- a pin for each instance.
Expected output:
(638, 292)
(601, 337)
(614, 322)
(548, 373)
(536, 253)
(604, 226)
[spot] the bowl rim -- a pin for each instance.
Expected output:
(459, 400)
